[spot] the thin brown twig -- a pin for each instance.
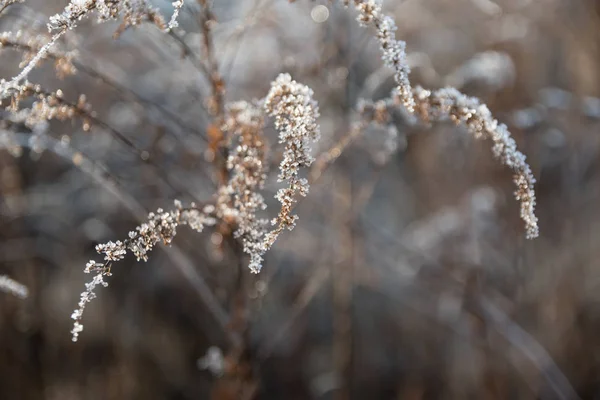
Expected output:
(216, 81)
(189, 53)
(335, 151)
(216, 101)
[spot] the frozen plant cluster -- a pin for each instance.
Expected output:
(295, 112)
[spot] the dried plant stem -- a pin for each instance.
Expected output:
(127, 92)
(214, 136)
(529, 347)
(216, 101)
(96, 170)
(343, 273)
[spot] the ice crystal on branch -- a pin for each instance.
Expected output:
(101, 270)
(296, 114)
(238, 203)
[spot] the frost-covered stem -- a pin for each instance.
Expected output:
(160, 227)
(28, 45)
(60, 24)
(477, 118)
(8, 87)
(394, 51)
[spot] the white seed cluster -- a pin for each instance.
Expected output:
(295, 113)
